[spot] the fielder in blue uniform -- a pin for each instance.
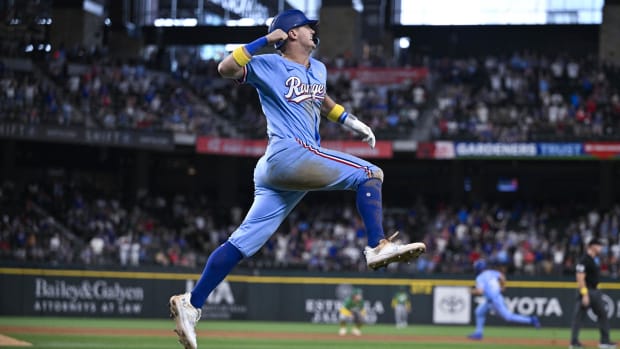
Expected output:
(490, 283)
(292, 89)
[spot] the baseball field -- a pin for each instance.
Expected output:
(48, 333)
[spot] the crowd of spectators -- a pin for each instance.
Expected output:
(85, 87)
(26, 98)
(517, 97)
(124, 94)
(527, 97)
(63, 222)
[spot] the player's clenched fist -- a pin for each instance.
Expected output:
(276, 36)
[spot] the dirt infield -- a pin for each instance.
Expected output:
(12, 342)
(276, 335)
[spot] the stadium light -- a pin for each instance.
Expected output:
(231, 47)
(403, 43)
(243, 22)
(175, 22)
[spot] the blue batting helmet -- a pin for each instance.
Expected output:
(480, 265)
(288, 20)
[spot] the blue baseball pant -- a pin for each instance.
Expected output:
(288, 170)
(495, 301)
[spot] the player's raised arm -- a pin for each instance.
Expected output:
(336, 113)
(231, 67)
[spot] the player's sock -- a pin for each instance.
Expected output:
(219, 264)
(368, 199)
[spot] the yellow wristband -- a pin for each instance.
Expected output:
(335, 113)
(240, 56)
(583, 291)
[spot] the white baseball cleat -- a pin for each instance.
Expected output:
(342, 331)
(185, 316)
(387, 252)
(356, 331)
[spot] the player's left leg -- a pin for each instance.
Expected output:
(502, 310)
(481, 313)
(579, 315)
(345, 316)
(400, 311)
(358, 321)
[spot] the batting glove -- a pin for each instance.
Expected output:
(361, 128)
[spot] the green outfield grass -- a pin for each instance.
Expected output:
(48, 333)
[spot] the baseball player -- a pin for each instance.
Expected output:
(402, 306)
(352, 310)
(292, 90)
(490, 283)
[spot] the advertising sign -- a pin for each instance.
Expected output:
(309, 299)
(70, 296)
(451, 305)
(156, 140)
(382, 76)
(256, 148)
(226, 302)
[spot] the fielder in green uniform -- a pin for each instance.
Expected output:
(402, 308)
(352, 310)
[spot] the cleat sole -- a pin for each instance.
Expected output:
(403, 257)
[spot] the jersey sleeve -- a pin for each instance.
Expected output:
(581, 266)
(257, 70)
(348, 303)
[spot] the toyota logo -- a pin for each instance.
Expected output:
(452, 304)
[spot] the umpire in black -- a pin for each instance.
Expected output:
(589, 296)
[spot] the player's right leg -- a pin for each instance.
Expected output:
(268, 210)
(481, 312)
(579, 315)
(185, 316)
(502, 310)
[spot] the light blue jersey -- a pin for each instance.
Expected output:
(290, 95)
(488, 282)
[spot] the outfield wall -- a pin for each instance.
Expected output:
(53, 292)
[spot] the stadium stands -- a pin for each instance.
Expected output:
(516, 97)
(65, 222)
(527, 97)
